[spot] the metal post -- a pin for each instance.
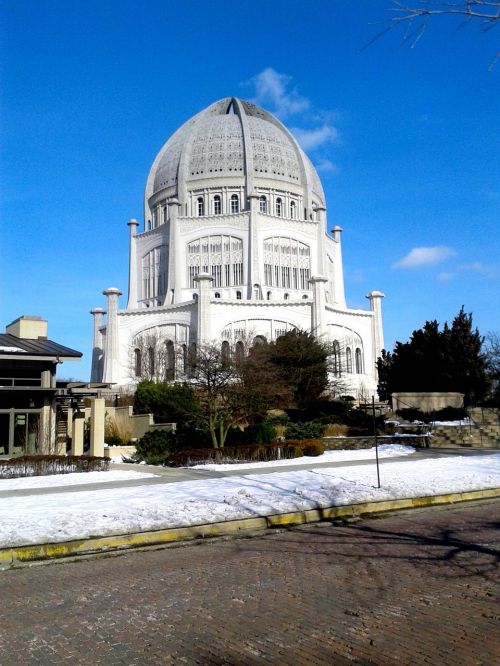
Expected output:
(376, 439)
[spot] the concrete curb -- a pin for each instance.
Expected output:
(22, 555)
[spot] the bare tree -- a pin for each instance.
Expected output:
(153, 357)
(234, 388)
(414, 17)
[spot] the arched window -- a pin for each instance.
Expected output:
(217, 205)
(287, 263)
(269, 295)
(235, 203)
(217, 294)
(259, 340)
(279, 207)
(200, 207)
(220, 256)
(305, 297)
(192, 360)
(154, 275)
(292, 210)
(336, 364)
(263, 204)
(238, 295)
(170, 360)
(195, 297)
(286, 297)
(225, 351)
(256, 292)
(137, 363)
(359, 361)
(239, 350)
(151, 361)
(348, 359)
(184, 359)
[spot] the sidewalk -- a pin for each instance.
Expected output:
(180, 504)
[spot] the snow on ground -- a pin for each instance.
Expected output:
(73, 479)
(51, 517)
(384, 451)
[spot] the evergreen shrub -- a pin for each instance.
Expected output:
(154, 447)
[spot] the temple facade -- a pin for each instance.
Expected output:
(234, 247)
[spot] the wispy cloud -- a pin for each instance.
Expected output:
(472, 267)
(425, 256)
(310, 139)
(326, 165)
(276, 92)
(273, 90)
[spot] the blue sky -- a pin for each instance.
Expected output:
(406, 142)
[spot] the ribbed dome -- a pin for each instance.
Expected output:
(232, 138)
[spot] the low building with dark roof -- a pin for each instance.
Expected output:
(29, 395)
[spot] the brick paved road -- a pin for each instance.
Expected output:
(411, 589)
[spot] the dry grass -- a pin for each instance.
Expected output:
(117, 429)
(335, 430)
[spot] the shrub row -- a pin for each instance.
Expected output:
(249, 453)
(43, 465)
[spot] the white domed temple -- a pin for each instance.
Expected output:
(234, 247)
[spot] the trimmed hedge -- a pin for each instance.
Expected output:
(44, 465)
(229, 454)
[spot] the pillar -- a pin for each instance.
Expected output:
(338, 295)
(77, 438)
(132, 265)
(321, 232)
(111, 353)
(253, 265)
(175, 266)
(97, 351)
(318, 305)
(204, 283)
(375, 298)
(97, 409)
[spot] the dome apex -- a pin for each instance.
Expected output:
(237, 141)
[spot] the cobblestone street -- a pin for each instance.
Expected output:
(415, 588)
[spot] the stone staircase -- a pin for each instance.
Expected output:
(484, 431)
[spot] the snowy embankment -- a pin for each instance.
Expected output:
(54, 517)
(384, 451)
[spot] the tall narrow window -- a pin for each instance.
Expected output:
(287, 263)
(359, 361)
(336, 365)
(263, 204)
(238, 295)
(225, 352)
(235, 203)
(200, 207)
(217, 205)
(239, 350)
(137, 362)
(279, 207)
(151, 360)
(170, 361)
(348, 359)
(192, 360)
(220, 256)
(292, 210)
(184, 359)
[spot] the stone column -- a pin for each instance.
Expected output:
(96, 369)
(253, 265)
(175, 267)
(132, 266)
(338, 295)
(111, 353)
(318, 305)
(97, 408)
(204, 283)
(375, 298)
(77, 438)
(321, 231)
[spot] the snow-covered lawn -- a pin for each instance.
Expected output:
(62, 516)
(73, 479)
(384, 451)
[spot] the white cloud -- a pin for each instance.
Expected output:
(272, 90)
(425, 256)
(445, 277)
(275, 91)
(317, 136)
(479, 267)
(326, 165)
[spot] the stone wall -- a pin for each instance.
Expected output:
(426, 402)
(352, 443)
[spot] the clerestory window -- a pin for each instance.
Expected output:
(287, 263)
(200, 207)
(217, 205)
(263, 204)
(219, 256)
(235, 203)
